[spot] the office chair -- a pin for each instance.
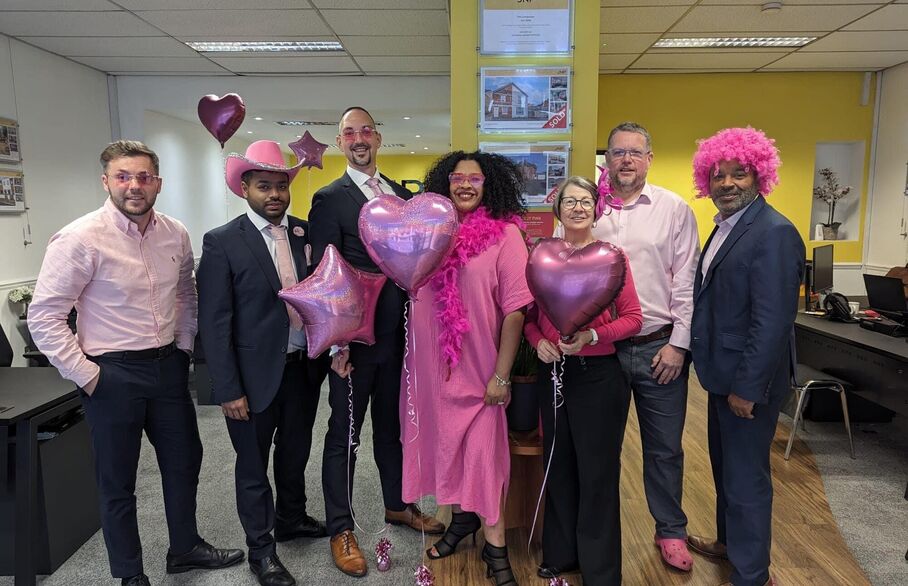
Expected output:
(810, 379)
(6, 351)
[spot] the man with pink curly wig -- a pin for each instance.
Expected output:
(742, 340)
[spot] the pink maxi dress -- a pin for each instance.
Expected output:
(455, 446)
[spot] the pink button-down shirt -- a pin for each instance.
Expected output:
(132, 291)
(658, 232)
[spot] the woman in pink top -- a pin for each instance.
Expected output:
(582, 514)
(464, 331)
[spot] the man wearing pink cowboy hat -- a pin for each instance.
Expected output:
(267, 387)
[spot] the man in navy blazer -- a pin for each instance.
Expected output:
(261, 376)
(742, 340)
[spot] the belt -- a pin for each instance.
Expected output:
(149, 354)
(663, 332)
(296, 356)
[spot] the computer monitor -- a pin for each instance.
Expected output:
(887, 296)
(822, 269)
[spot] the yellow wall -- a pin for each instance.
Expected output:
(308, 181)
(796, 109)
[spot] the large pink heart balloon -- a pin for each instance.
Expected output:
(336, 303)
(572, 286)
(222, 116)
(408, 240)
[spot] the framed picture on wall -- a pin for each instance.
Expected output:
(525, 99)
(12, 192)
(514, 27)
(9, 141)
(543, 165)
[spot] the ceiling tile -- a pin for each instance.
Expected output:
(652, 19)
(678, 71)
(149, 64)
(860, 41)
(625, 43)
(788, 3)
(709, 19)
(360, 4)
(71, 5)
(398, 45)
(75, 24)
(112, 46)
(616, 61)
(404, 64)
(389, 22)
(614, 3)
(704, 60)
(212, 4)
(888, 18)
(289, 64)
(864, 60)
(237, 24)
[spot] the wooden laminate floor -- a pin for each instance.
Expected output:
(807, 547)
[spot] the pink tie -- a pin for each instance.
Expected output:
(375, 185)
(285, 268)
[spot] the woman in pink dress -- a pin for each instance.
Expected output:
(464, 330)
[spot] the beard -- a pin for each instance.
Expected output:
(742, 198)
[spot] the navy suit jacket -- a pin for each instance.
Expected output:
(243, 324)
(742, 331)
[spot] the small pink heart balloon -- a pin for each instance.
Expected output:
(572, 286)
(222, 116)
(408, 240)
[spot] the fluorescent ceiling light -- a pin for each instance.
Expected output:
(732, 42)
(264, 46)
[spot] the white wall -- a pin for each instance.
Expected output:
(64, 124)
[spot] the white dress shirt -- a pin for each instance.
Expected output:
(725, 228)
(360, 179)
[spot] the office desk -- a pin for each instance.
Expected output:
(875, 364)
(28, 398)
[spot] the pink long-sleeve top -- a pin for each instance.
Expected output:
(628, 322)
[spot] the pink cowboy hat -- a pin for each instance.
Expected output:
(262, 155)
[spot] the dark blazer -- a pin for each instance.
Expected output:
(243, 324)
(335, 220)
(742, 331)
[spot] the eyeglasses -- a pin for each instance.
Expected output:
(570, 203)
(349, 135)
(141, 178)
(475, 179)
(633, 153)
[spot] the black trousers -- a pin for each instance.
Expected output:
(582, 503)
(151, 396)
(287, 422)
(378, 381)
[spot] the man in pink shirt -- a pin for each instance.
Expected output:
(128, 271)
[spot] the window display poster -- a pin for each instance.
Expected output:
(9, 140)
(525, 99)
(12, 192)
(539, 224)
(543, 167)
(529, 27)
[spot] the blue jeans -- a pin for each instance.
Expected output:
(661, 410)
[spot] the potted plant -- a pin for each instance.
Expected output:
(830, 191)
(22, 296)
(523, 411)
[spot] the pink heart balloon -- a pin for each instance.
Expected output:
(572, 286)
(336, 303)
(222, 116)
(408, 240)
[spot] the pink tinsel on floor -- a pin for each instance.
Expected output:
(559, 582)
(424, 576)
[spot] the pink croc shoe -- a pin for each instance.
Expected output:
(674, 553)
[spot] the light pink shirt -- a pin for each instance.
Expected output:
(131, 291)
(724, 229)
(658, 232)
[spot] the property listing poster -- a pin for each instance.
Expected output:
(525, 99)
(543, 165)
(529, 27)
(12, 191)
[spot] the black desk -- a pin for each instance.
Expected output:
(33, 396)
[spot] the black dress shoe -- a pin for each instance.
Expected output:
(137, 580)
(307, 527)
(203, 556)
(548, 571)
(271, 572)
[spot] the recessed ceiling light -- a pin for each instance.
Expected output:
(248, 132)
(265, 46)
(425, 148)
(406, 117)
(412, 152)
(258, 118)
(299, 136)
(418, 136)
(731, 42)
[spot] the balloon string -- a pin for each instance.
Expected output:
(352, 448)
(557, 402)
(412, 414)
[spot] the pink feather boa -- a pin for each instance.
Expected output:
(478, 231)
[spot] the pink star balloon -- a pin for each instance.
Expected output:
(308, 151)
(336, 303)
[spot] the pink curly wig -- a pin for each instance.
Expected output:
(751, 147)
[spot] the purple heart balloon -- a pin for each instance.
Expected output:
(408, 240)
(572, 286)
(222, 116)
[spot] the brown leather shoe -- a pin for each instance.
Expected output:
(415, 519)
(347, 556)
(708, 547)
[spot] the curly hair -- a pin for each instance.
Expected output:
(503, 187)
(751, 147)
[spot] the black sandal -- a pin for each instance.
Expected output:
(498, 567)
(462, 524)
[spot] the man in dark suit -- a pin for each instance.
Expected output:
(745, 301)
(375, 369)
(256, 353)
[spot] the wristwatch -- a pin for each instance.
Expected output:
(595, 339)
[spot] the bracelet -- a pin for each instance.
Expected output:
(501, 382)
